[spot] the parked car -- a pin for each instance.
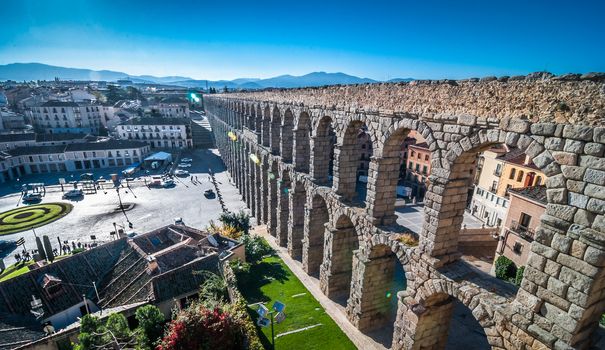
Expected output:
(178, 221)
(32, 197)
(180, 172)
(186, 160)
(76, 193)
(209, 193)
(168, 183)
(184, 165)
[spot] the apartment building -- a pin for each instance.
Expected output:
(158, 132)
(67, 117)
(172, 107)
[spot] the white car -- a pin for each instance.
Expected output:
(184, 165)
(180, 172)
(168, 183)
(186, 160)
(73, 193)
(32, 197)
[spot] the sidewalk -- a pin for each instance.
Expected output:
(336, 311)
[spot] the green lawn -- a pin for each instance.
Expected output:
(15, 270)
(272, 280)
(32, 216)
(21, 268)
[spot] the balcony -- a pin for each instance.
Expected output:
(497, 172)
(522, 231)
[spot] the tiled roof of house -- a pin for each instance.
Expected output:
(35, 150)
(105, 145)
(157, 121)
(536, 193)
(17, 137)
(18, 330)
(60, 137)
(518, 157)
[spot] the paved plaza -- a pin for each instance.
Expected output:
(153, 207)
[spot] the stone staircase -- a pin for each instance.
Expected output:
(201, 134)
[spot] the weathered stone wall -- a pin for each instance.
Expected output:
(570, 99)
(561, 296)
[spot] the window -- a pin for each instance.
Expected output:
(412, 153)
(517, 248)
(520, 176)
(424, 169)
(512, 174)
(525, 220)
(411, 165)
(538, 180)
(417, 167)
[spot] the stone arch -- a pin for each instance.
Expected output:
(275, 130)
(336, 271)
(451, 177)
(317, 217)
(323, 143)
(302, 142)
(353, 142)
(251, 116)
(258, 125)
(266, 126)
(431, 314)
(264, 189)
(384, 172)
(283, 207)
(379, 275)
(298, 199)
(287, 136)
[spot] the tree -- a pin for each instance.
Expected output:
(240, 221)
(256, 247)
(40, 248)
(50, 256)
(213, 290)
(151, 324)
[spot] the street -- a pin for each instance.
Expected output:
(153, 207)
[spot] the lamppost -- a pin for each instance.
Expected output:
(122, 208)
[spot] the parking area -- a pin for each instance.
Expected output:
(94, 214)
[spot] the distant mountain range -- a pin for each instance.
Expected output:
(39, 71)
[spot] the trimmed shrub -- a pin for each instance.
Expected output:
(519, 275)
(505, 269)
(239, 221)
(256, 247)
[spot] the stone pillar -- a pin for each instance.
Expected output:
(265, 133)
(316, 219)
(283, 211)
(264, 191)
(345, 171)
(272, 204)
(422, 327)
(296, 222)
(320, 159)
(368, 307)
(336, 269)
(301, 150)
(258, 194)
(383, 175)
(275, 137)
(286, 143)
(253, 186)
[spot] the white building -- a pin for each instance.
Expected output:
(61, 117)
(172, 107)
(158, 132)
(486, 205)
(20, 161)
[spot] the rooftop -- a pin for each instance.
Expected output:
(105, 145)
(157, 121)
(535, 193)
(517, 157)
(30, 136)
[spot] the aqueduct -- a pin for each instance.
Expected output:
(278, 147)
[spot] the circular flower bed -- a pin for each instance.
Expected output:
(25, 218)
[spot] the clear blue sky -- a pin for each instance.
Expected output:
(255, 38)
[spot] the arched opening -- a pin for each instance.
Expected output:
(283, 208)
(316, 218)
(298, 199)
(275, 131)
(388, 183)
(287, 136)
(337, 267)
(250, 117)
(443, 322)
(302, 142)
(323, 144)
(266, 127)
(264, 179)
(372, 306)
(258, 118)
(353, 159)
